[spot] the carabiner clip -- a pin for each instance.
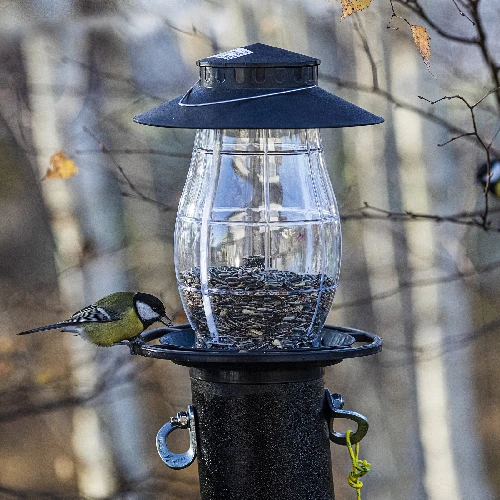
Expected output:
(183, 420)
(335, 403)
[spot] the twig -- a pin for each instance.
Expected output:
(361, 33)
(111, 378)
(162, 206)
(480, 40)
(416, 8)
(390, 98)
(494, 137)
(130, 184)
(130, 151)
(463, 218)
(484, 216)
(462, 13)
(467, 134)
(194, 31)
(423, 282)
(434, 350)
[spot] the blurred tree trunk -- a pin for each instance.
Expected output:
(92, 211)
(93, 468)
(31, 367)
(443, 379)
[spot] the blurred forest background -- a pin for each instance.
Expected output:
(421, 243)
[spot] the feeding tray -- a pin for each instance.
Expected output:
(179, 345)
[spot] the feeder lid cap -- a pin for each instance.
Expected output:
(258, 87)
(258, 55)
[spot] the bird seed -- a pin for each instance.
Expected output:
(258, 308)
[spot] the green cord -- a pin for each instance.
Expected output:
(359, 467)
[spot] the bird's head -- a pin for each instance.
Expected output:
(482, 174)
(150, 309)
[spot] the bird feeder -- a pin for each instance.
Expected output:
(257, 259)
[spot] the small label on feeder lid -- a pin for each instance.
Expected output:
(232, 54)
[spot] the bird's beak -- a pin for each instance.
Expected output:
(166, 321)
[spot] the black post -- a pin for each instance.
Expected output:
(262, 434)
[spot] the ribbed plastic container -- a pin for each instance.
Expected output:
(257, 239)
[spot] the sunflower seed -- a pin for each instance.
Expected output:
(257, 308)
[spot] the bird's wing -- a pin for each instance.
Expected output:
(89, 314)
(93, 313)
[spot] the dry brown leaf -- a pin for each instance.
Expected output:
(351, 6)
(421, 39)
(62, 167)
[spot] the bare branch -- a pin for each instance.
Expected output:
(485, 224)
(480, 39)
(462, 13)
(435, 350)
(416, 283)
(130, 184)
(468, 134)
(362, 35)
(464, 218)
(390, 98)
(492, 91)
(130, 151)
(113, 378)
(159, 204)
(416, 8)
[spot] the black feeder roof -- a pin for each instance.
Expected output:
(257, 86)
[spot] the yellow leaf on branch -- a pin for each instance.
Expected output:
(421, 39)
(351, 6)
(62, 167)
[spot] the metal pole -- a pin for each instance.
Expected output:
(262, 434)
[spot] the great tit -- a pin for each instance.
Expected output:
(117, 317)
(482, 176)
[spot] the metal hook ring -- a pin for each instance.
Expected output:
(184, 420)
(335, 403)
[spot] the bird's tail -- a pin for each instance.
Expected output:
(55, 326)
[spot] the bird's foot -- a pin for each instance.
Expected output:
(135, 345)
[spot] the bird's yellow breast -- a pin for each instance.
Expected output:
(107, 334)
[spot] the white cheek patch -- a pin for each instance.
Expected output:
(145, 312)
(495, 172)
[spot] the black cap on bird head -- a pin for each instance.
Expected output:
(150, 309)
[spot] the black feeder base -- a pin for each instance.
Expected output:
(261, 436)
(260, 422)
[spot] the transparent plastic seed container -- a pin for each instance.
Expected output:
(257, 239)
